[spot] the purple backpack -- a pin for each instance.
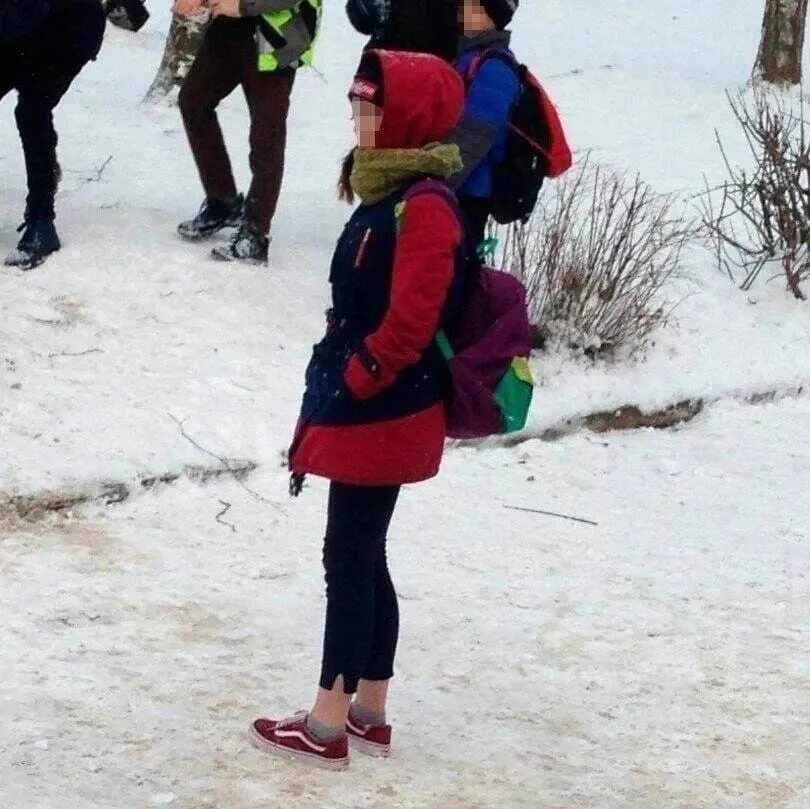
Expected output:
(487, 345)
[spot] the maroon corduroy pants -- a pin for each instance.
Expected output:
(228, 58)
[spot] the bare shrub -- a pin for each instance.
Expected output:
(759, 220)
(595, 256)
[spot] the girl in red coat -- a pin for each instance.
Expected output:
(372, 417)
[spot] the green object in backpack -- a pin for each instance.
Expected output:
(513, 394)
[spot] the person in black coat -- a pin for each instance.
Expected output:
(44, 44)
(422, 26)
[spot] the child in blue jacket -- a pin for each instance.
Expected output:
(491, 95)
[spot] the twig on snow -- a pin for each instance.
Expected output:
(552, 514)
(225, 510)
(578, 71)
(319, 74)
(89, 175)
(224, 461)
(100, 171)
(76, 353)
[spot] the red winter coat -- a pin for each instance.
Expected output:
(373, 410)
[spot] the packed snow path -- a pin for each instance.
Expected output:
(656, 661)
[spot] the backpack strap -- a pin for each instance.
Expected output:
(443, 342)
(440, 189)
(507, 57)
(444, 191)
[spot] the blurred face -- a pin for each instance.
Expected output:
(367, 122)
(473, 19)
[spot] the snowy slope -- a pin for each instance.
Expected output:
(657, 661)
(172, 333)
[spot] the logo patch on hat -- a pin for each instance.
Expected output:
(365, 90)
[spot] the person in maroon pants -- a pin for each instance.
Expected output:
(258, 44)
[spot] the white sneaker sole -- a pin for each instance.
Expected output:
(368, 748)
(16, 261)
(229, 258)
(193, 237)
(311, 759)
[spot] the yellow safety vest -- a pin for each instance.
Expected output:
(287, 38)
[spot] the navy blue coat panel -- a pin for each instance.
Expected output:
(360, 275)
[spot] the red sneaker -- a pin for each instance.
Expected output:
(373, 740)
(291, 738)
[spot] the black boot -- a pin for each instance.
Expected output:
(214, 215)
(38, 241)
(247, 245)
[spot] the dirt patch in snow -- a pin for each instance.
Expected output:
(32, 508)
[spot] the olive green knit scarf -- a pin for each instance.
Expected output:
(379, 172)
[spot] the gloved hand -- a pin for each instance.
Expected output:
(130, 15)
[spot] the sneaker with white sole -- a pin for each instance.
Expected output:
(291, 738)
(214, 216)
(39, 240)
(248, 246)
(371, 740)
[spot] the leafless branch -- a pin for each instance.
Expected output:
(226, 508)
(76, 353)
(759, 219)
(92, 176)
(237, 474)
(552, 514)
(596, 256)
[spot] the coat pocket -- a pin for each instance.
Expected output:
(324, 384)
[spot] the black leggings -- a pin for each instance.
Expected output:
(362, 615)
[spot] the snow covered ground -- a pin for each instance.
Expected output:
(657, 661)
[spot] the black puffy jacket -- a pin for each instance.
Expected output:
(20, 18)
(69, 30)
(423, 26)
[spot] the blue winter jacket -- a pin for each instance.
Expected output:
(484, 129)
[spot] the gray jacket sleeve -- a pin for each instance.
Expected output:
(474, 139)
(254, 8)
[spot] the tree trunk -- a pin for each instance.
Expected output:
(779, 60)
(182, 43)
